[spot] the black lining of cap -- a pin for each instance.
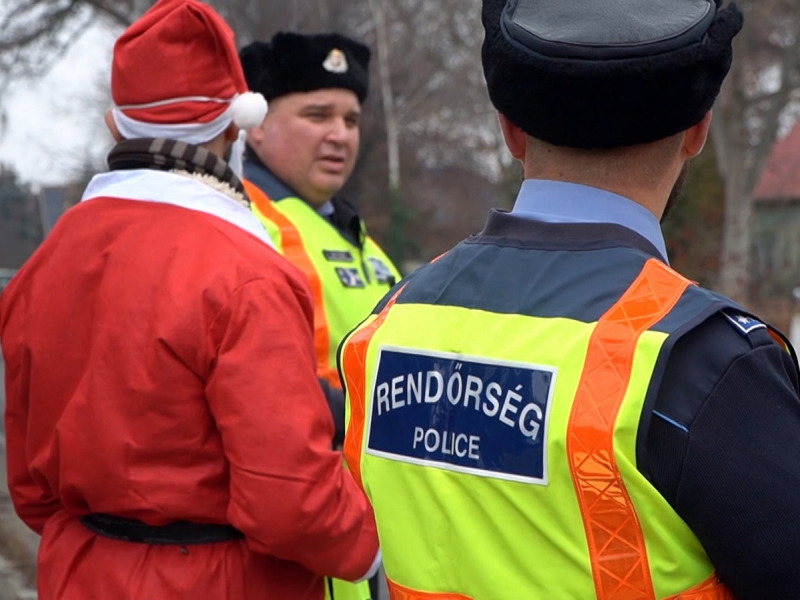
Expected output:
(517, 34)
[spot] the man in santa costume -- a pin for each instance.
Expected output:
(166, 432)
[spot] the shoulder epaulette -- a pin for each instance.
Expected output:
(742, 322)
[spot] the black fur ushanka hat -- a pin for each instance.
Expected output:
(606, 73)
(293, 62)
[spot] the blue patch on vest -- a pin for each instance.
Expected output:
(465, 414)
(744, 324)
(350, 277)
(383, 274)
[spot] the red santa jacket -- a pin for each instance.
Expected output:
(160, 366)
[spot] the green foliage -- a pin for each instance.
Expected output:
(400, 245)
(693, 228)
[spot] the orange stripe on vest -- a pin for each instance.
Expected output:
(617, 548)
(399, 592)
(354, 366)
(616, 542)
(710, 589)
(295, 252)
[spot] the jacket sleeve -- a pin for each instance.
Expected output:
(725, 452)
(33, 501)
(335, 398)
(290, 493)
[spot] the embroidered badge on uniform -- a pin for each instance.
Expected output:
(338, 255)
(383, 274)
(743, 323)
(350, 277)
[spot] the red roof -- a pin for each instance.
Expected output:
(780, 179)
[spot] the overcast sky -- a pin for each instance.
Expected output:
(55, 123)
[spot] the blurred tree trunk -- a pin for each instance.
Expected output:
(396, 245)
(762, 81)
(387, 95)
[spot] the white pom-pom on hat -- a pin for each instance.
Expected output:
(248, 110)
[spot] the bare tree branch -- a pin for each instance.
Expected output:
(44, 28)
(123, 18)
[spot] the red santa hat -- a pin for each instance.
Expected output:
(176, 74)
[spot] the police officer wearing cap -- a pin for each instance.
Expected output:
(295, 164)
(549, 410)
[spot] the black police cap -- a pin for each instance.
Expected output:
(606, 73)
(293, 62)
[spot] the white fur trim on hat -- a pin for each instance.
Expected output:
(191, 133)
(248, 110)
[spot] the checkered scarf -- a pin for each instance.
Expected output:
(171, 155)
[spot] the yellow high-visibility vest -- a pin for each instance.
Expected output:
(498, 448)
(347, 281)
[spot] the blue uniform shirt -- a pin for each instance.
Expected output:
(561, 202)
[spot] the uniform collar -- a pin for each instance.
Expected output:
(276, 190)
(562, 202)
(258, 173)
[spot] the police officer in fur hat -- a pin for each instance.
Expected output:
(562, 414)
(296, 162)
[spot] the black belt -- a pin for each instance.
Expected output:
(180, 533)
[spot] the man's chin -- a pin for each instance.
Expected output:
(330, 182)
(333, 170)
